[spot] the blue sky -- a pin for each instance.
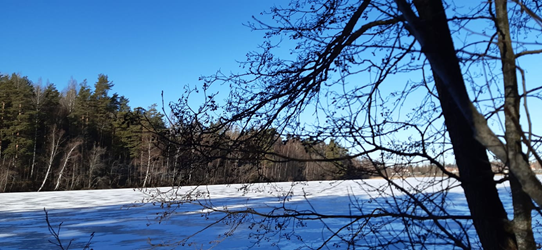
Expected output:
(145, 47)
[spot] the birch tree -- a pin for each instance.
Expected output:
(56, 138)
(68, 155)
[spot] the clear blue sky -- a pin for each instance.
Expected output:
(145, 47)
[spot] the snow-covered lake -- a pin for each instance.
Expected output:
(123, 219)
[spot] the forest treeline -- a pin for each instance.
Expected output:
(80, 138)
(84, 137)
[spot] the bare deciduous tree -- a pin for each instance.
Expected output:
(68, 155)
(347, 63)
(56, 140)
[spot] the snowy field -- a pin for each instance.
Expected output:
(123, 219)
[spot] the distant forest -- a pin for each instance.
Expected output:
(85, 138)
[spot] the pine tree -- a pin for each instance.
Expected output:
(46, 104)
(16, 132)
(78, 127)
(103, 107)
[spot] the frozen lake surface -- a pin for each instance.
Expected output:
(123, 219)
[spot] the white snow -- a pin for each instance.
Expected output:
(125, 219)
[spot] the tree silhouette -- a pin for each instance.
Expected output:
(345, 64)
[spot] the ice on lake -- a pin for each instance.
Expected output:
(125, 219)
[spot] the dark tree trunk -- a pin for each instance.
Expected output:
(521, 200)
(486, 208)
(489, 217)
